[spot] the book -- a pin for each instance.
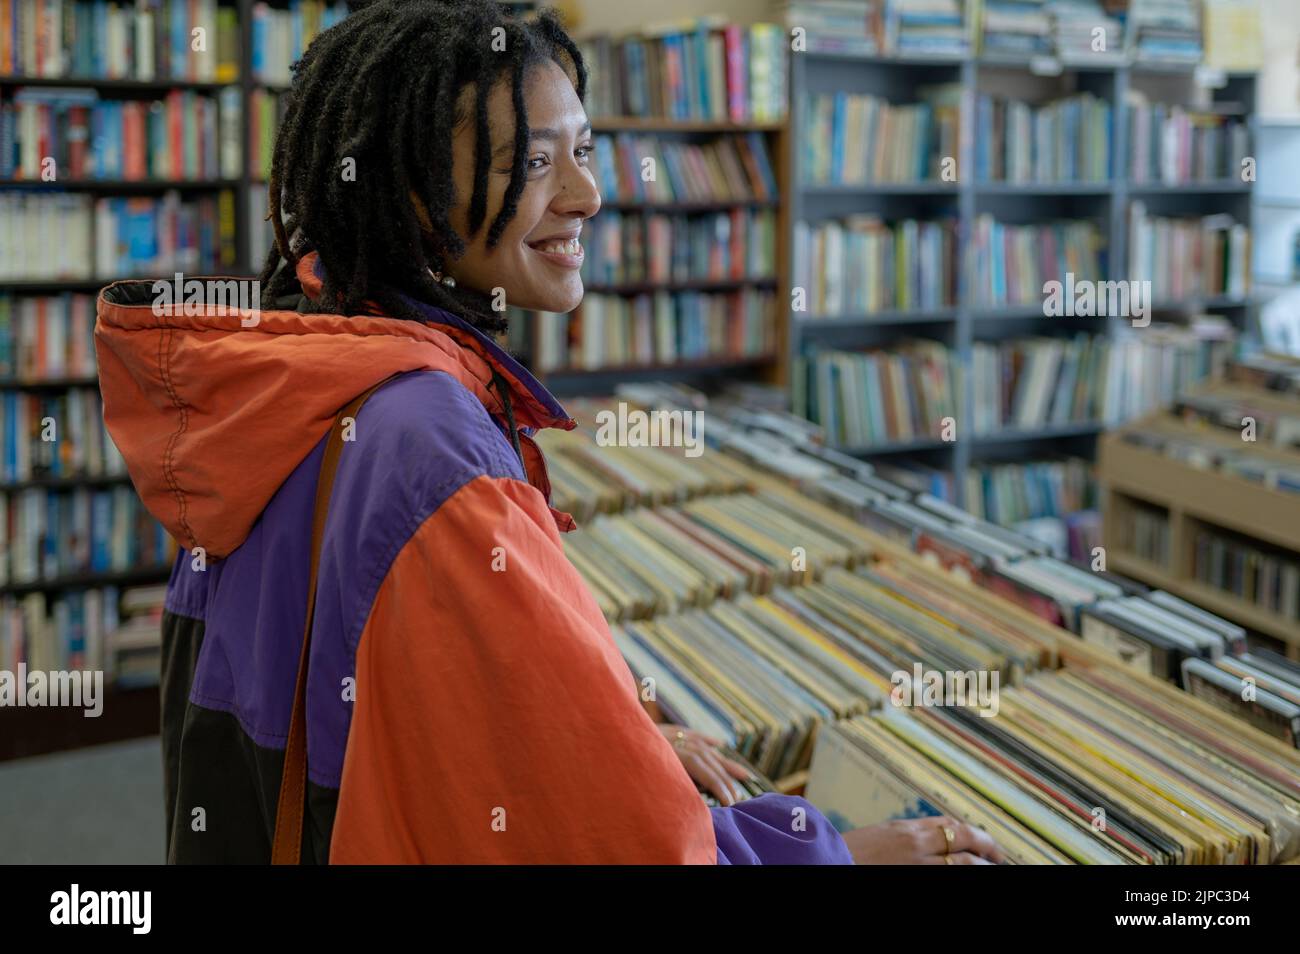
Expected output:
(46, 337)
(1065, 140)
(703, 70)
(862, 265)
(61, 134)
(662, 327)
(1165, 31)
(878, 396)
(1008, 264)
(720, 246)
(649, 169)
(850, 138)
(280, 36)
(55, 533)
(837, 26)
(1174, 145)
(98, 39)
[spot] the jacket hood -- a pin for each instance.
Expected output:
(213, 407)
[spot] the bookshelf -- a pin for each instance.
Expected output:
(1105, 202)
(129, 710)
(1189, 499)
(704, 103)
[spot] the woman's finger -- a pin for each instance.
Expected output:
(713, 781)
(719, 766)
(965, 838)
(956, 858)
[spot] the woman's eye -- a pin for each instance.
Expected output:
(536, 162)
(584, 152)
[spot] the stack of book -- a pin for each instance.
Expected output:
(1067, 140)
(1261, 575)
(925, 28)
(1165, 31)
(106, 40)
(134, 646)
(59, 134)
(701, 70)
(55, 436)
(62, 633)
(729, 168)
(877, 397)
(51, 236)
(1174, 145)
(1075, 23)
(45, 337)
(281, 36)
(1010, 264)
(1185, 258)
(1146, 533)
(837, 26)
(1039, 382)
(1205, 453)
(159, 236)
(629, 247)
(659, 328)
(1161, 362)
(76, 236)
(852, 138)
(1272, 372)
(1244, 413)
(863, 265)
(49, 534)
(1010, 493)
(1016, 29)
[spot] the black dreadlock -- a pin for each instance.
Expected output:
(381, 88)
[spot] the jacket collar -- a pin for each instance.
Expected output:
(534, 405)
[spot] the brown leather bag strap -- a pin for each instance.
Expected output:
(286, 849)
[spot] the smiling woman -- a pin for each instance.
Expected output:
(426, 141)
(355, 482)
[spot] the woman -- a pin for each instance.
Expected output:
(461, 699)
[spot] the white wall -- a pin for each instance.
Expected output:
(1279, 89)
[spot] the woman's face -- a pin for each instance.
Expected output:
(537, 258)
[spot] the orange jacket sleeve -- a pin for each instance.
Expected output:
(495, 721)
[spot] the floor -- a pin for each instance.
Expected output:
(100, 805)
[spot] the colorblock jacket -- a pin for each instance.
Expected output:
(465, 700)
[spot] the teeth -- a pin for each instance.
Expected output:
(571, 247)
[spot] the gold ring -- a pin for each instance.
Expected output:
(680, 741)
(950, 836)
(947, 859)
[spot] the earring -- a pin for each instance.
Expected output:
(444, 279)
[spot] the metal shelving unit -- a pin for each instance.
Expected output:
(1105, 203)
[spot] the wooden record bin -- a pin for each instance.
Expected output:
(1138, 485)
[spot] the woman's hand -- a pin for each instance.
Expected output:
(922, 841)
(705, 764)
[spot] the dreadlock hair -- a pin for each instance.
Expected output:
(382, 88)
